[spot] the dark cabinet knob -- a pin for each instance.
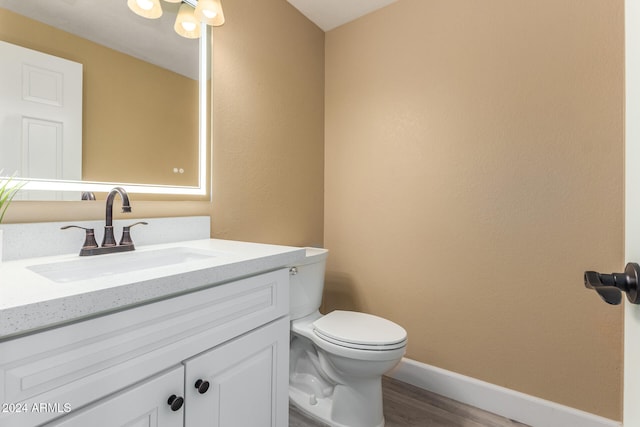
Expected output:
(611, 286)
(175, 402)
(202, 386)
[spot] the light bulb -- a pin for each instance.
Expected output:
(186, 24)
(189, 26)
(150, 9)
(145, 4)
(210, 12)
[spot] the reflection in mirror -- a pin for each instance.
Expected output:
(142, 126)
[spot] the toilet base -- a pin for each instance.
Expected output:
(317, 408)
(338, 386)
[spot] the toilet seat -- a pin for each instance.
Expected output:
(360, 331)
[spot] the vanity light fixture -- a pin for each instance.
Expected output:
(186, 23)
(150, 9)
(210, 12)
(188, 20)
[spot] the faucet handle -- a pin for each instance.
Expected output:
(90, 237)
(126, 233)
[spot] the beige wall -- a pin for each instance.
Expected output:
(268, 127)
(473, 171)
(268, 134)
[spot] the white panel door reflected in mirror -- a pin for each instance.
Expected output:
(41, 116)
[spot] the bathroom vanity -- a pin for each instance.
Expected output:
(196, 339)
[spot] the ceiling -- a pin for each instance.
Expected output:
(329, 14)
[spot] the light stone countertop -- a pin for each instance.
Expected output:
(29, 301)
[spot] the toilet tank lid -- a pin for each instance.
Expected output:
(312, 256)
(316, 252)
(360, 328)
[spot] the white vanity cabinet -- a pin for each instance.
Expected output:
(227, 385)
(122, 368)
(143, 405)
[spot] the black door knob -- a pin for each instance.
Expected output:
(175, 402)
(611, 286)
(202, 386)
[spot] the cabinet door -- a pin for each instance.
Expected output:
(248, 381)
(143, 405)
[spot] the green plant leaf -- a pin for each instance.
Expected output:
(7, 193)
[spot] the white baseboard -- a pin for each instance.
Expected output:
(502, 401)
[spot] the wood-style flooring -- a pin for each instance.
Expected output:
(409, 406)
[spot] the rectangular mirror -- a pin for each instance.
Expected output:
(143, 102)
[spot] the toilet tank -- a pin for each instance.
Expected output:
(306, 283)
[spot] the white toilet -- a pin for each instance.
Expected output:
(337, 360)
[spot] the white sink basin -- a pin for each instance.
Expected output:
(87, 268)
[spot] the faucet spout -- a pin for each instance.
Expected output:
(126, 207)
(109, 239)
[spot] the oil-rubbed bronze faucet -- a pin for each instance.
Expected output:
(109, 245)
(108, 239)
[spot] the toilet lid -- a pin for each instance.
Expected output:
(360, 330)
